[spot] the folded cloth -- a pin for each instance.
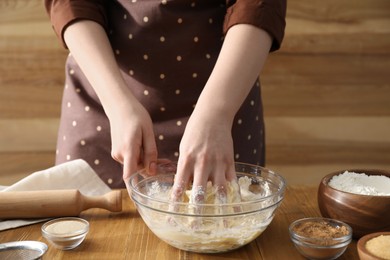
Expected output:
(75, 174)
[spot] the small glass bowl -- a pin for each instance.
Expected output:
(320, 238)
(65, 233)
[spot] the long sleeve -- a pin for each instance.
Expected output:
(64, 12)
(268, 15)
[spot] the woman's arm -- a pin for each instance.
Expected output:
(240, 61)
(131, 126)
(206, 150)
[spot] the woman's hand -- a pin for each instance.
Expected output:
(206, 153)
(206, 150)
(132, 138)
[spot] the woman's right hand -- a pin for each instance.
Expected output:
(132, 138)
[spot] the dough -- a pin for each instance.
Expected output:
(221, 227)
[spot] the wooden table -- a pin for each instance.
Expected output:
(125, 236)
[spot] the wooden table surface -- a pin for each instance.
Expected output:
(125, 236)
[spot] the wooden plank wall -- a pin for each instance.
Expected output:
(326, 92)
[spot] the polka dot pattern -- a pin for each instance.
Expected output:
(166, 71)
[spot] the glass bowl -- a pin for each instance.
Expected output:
(320, 238)
(65, 233)
(212, 227)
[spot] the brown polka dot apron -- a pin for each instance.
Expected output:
(166, 51)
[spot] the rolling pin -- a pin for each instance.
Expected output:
(54, 203)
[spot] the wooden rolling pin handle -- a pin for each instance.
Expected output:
(54, 203)
(111, 201)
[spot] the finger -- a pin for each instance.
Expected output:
(180, 184)
(178, 189)
(227, 189)
(220, 184)
(149, 153)
(231, 174)
(130, 166)
(199, 190)
(231, 178)
(235, 195)
(201, 176)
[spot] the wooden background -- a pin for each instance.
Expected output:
(326, 92)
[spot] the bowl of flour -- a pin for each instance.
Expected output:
(213, 226)
(358, 197)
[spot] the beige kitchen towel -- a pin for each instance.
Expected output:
(75, 174)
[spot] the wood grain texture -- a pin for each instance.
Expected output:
(45, 203)
(365, 214)
(326, 85)
(326, 92)
(125, 236)
(17, 165)
(25, 135)
(337, 27)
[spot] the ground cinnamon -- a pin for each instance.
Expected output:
(323, 232)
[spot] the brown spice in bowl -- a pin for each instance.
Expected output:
(323, 231)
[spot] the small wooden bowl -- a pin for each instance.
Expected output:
(364, 213)
(361, 246)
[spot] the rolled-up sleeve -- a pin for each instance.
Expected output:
(269, 15)
(62, 13)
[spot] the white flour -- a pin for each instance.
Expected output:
(361, 183)
(215, 232)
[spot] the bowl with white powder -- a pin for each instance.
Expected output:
(358, 197)
(65, 233)
(214, 225)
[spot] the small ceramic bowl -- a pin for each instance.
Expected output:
(320, 238)
(364, 213)
(374, 252)
(65, 233)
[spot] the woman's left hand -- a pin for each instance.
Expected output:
(206, 149)
(206, 154)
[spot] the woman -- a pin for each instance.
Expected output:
(175, 79)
